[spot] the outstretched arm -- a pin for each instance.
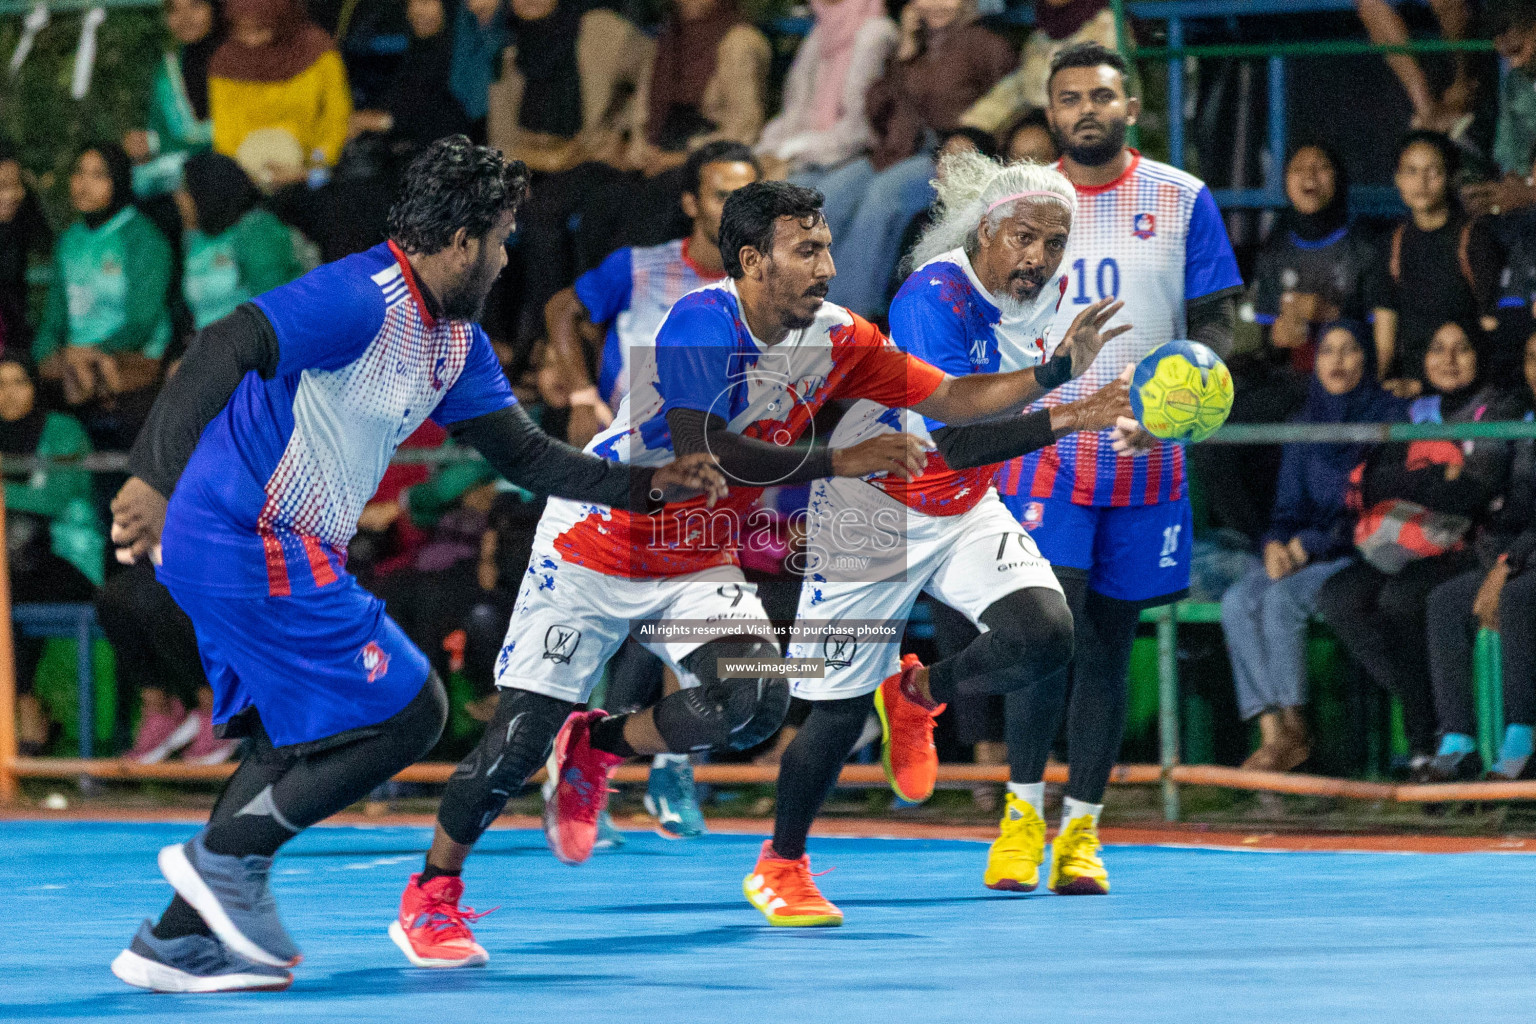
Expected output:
(983, 396)
(982, 444)
(757, 463)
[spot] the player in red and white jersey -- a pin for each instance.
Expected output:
(738, 370)
(979, 304)
(1114, 524)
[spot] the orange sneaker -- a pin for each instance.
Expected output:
(432, 929)
(907, 753)
(784, 891)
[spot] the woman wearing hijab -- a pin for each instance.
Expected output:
(1498, 594)
(1419, 503)
(418, 104)
(24, 232)
(232, 249)
(53, 542)
(178, 112)
(277, 92)
(1309, 540)
(1315, 269)
(823, 124)
(106, 324)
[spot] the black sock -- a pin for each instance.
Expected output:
(608, 734)
(810, 766)
(180, 919)
(431, 871)
(942, 681)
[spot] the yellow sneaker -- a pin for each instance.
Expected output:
(1013, 864)
(1076, 869)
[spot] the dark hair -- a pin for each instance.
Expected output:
(1089, 55)
(985, 142)
(718, 152)
(1504, 15)
(220, 192)
(454, 184)
(1450, 156)
(1033, 117)
(751, 213)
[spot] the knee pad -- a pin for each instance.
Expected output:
(1033, 629)
(515, 744)
(730, 713)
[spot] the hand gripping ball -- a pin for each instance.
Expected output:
(1181, 391)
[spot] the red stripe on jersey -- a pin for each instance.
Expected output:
(1154, 476)
(1086, 477)
(410, 282)
(1176, 489)
(318, 563)
(1125, 470)
(1044, 484)
(1012, 470)
(277, 565)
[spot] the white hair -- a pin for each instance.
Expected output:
(972, 188)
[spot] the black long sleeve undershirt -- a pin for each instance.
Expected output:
(226, 350)
(981, 444)
(1212, 320)
(746, 460)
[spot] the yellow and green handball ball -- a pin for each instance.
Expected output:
(1181, 391)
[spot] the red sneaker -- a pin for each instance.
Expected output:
(207, 748)
(907, 753)
(163, 733)
(581, 792)
(432, 929)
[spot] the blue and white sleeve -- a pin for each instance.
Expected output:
(1210, 266)
(482, 387)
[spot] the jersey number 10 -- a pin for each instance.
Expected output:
(1107, 277)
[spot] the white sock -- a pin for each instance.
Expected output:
(1071, 809)
(662, 760)
(1032, 793)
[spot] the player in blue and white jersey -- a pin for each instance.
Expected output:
(1115, 524)
(246, 486)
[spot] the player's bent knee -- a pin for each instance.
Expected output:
(1033, 628)
(516, 742)
(424, 717)
(724, 712)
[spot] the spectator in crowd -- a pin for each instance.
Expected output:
(1514, 36)
(943, 63)
(1314, 269)
(1441, 264)
(1265, 614)
(823, 124)
(569, 84)
(1449, 112)
(419, 104)
(44, 509)
(618, 306)
(158, 665)
(347, 214)
(1498, 594)
(1058, 25)
(1516, 312)
(232, 249)
(1417, 502)
(178, 122)
(24, 232)
(479, 36)
(1028, 137)
(106, 324)
(963, 139)
(277, 92)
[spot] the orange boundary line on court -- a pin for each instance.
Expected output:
(1193, 836)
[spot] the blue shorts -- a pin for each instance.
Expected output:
(1136, 553)
(313, 666)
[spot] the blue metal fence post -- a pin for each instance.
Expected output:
(1275, 186)
(1168, 705)
(1176, 95)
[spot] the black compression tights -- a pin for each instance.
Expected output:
(1105, 629)
(281, 793)
(810, 766)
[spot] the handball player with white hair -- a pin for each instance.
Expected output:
(986, 287)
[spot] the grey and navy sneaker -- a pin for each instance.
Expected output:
(670, 799)
(232, 895)
(193, 963)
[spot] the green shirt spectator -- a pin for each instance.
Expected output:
(233, 249)
(1515, 139)
(178, 123)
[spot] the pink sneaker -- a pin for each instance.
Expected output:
(571, 812)
(161, 734)
(206, 748)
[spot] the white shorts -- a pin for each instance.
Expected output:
(967, 561)
(569, 620)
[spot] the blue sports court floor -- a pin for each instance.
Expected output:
(660, 932)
